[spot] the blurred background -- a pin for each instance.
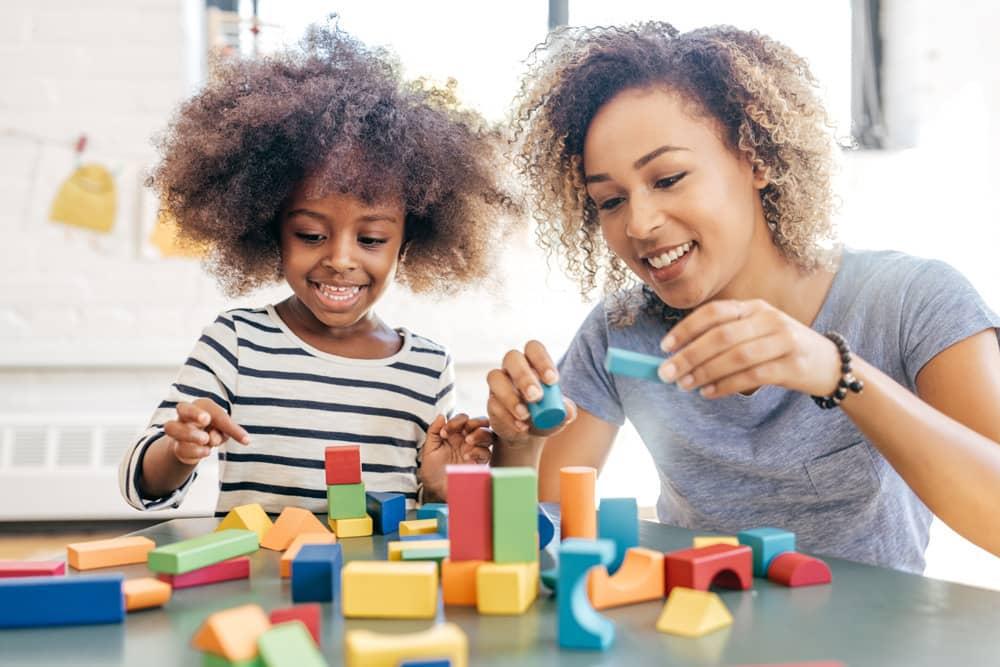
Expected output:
(98, 307)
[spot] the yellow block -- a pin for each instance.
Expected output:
(247, 517)
(418, 527)
(709, 540)
(145, 593)
(232, 633)
(691, 613)
(389, 589)
(394, 550)
(364, 648)
(356, 527)
(109, 553)
(285, 565)
(506, 588)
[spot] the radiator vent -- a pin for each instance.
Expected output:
(28, 446)
(74, 446)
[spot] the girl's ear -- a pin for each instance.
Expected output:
(761, 176)
(402, 250)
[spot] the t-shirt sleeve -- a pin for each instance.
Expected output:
(940, 308)
(582, 376)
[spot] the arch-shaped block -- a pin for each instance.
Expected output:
(794, 569)
(639, 579)
(579, 625)
(725, 565)
(364, 648)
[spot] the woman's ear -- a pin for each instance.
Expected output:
(761, 175)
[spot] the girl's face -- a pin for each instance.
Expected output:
(674, 202)
(339, 255)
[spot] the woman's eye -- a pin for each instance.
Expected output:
(670, 180)
(370, 241)
(610, 204)
(310, 238)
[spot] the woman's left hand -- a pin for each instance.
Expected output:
(726, 347)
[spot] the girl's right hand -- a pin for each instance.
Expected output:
(200, 426)
(517, 384)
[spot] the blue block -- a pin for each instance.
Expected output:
(437, 511)
(386, 510)
(546, 530)
(27, 602)
(429, 510)
(632, 364)
(766, 543)
(580, 626)
(441, 662)
(316, 573)
(618, 521)
(550, 411)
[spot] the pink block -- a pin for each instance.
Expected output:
(227, 570)
(31, 568)
(470, 512)
(309, 614)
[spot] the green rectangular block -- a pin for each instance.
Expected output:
(416, 553)
(289, 645)
(212, 660)
(198, 552)
(515, 515)
(346, 501)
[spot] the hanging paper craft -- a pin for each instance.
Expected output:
(165, 238)
(87, 199)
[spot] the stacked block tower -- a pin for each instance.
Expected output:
(345, 492)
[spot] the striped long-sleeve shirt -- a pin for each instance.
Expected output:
(294, 401)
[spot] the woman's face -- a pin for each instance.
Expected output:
(674, 202)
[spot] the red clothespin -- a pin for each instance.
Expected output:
(79, 147)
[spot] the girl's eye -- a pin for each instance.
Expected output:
(370, 241)
(669, 180)
(310, 238)
(610, 204)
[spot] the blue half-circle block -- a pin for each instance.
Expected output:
(546, 530)
(548, 412)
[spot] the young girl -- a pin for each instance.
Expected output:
(692, 170)
(322, 168)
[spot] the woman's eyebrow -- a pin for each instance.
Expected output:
(638, 164)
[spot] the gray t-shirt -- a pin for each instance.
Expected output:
(774, 458)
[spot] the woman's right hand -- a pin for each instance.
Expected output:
(201, 426)
(515, 385)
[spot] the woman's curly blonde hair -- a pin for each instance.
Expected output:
(762, 95)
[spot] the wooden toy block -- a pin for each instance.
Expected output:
(639, 579)
(577, 507)
(579, 625)
(316, 573)
(227, 570)
(550, 579)
(766, 544)
(343, 464)
(289, 645)
(346, 501)
(356, 527)
(633, 364)
(515, 515)
(198, 552)
(708, 540)
(27, 602)
(109, 553)
(285, 564)
(386, 511)
(723, 565)
(470, 512)
(506, 588)
(549, 411)
(458, 582)
(387, 589)
(31, 568)
(308, 614)
(440, 515)
(394, 550)
(426, 663)
(145, 593)
(423, 537)
(429, 510)
(618, 521)
(418, 527)
(546, 529)
(248, 517)
(292, 521)
(436, 555)
(691, 613)
(794, 569)
(232, 633)
(212, 660)
(363, 648)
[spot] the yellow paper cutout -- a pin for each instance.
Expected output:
(166, 239)
(87, 199)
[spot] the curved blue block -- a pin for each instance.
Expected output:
(618, 521)
(546, 530)
(580, 626)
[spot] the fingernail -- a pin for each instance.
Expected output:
(708, 390)
(668, 343)
(522, 412)
(533, 394)
(469, 439)
(687, 381)
(245, 440)
(444, 433)
(668, 372)
(551, 377)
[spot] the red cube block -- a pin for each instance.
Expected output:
(309, 614)
(343, 464)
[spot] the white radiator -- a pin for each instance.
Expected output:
(67, 468)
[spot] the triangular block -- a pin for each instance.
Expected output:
(232, 633)
(691, 613)
(292, 522)
(247, 517)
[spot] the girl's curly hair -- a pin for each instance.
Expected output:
(340, 114)
(761, 94)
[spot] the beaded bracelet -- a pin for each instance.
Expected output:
(847, 380)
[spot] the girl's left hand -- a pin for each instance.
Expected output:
(725, 347)
(460, 439)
